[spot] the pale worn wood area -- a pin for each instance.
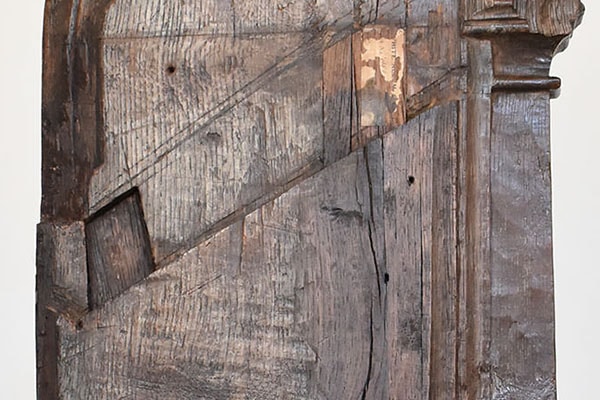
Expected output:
(380, 70)
(61, 289)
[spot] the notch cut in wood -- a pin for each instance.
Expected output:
(118, 249)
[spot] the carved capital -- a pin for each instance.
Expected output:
(548, 17)
(521, 63)
(524, 35)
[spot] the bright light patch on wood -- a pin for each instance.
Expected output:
(380, 66)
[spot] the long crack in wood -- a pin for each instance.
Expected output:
(370, 368)
(371, 224)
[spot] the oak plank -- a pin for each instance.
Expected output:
(444, 264)
(404, 260)
(338, 100)
(61, 288)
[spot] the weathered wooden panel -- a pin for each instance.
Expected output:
(345, 199)
(443, 126)
(65, 265)
(257, 324)
(311, 281)
(408, 260)
(61, 289)
(203, 149)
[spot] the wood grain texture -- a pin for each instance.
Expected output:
(273, 337)
(380, 77)
(65, 267)
(406, 233)
(204, 162)
(258, 129)
(522, 306)
(476, 253)
(433, 43)
(310, 200)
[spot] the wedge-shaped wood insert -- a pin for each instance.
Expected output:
(118, 249)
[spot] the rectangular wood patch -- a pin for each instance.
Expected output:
(118, 249)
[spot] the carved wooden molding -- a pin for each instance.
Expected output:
(495, 9)
(549, 18)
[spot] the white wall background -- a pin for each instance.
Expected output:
(576, 169)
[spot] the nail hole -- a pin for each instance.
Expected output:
(79, 325)
(411, 180)
(171, 69)
(386, 278)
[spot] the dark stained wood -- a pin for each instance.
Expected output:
(298, 200)
(118, 249)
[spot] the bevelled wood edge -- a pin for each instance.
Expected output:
(521, 63)
(548, 17)
(507, 83)
(490, 27)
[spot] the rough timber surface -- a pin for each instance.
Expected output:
(272, 305)
(317, 200)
